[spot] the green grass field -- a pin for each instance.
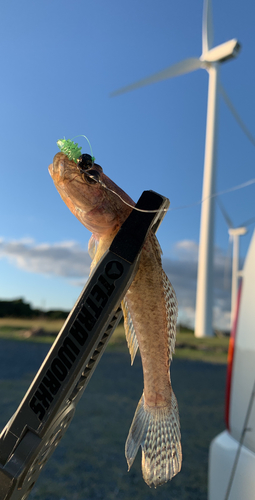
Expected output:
(211, 349)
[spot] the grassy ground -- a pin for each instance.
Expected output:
(212, 349)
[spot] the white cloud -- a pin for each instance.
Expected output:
(67, 259)
(186, 250)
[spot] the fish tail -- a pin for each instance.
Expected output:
(157, 430)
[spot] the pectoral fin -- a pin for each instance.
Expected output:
(92, 246)
(129, 330)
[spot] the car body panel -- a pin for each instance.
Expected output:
(224, 448)
(243, 376)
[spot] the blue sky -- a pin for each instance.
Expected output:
(59, 62)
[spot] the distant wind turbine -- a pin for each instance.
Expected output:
(210, 60)
(234, 234)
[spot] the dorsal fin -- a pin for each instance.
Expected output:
(171, 312)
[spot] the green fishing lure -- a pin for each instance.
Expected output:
(71, 149)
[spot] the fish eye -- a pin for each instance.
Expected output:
(91, 176)
(84, 162)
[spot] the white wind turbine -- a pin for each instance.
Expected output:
(210, 60)
(234, 235)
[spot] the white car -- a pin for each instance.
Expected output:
(232, 453)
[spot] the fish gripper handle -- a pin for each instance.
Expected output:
(44, 414)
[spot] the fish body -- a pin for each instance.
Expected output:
(150, 314)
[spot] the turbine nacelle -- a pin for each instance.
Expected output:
(237, 231)
(222, 52)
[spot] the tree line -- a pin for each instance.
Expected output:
(18, 308)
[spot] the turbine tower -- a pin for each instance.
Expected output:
(234, 235)
(210, 60)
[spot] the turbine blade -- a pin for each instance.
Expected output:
(207, 27)
(248, 222)
(224, 213)
(236, 115)
(177, 69)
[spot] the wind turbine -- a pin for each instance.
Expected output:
(234, 234)
(210, 60)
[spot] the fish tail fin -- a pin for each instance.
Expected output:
(157, 430)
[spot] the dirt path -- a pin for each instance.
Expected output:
(89, 463)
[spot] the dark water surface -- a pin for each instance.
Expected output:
(89, 463)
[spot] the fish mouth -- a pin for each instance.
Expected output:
(50, 169)
(61, 169)
(57, 167)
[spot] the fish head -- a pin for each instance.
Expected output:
(97, 202)
(82, 175)
(78, 184)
